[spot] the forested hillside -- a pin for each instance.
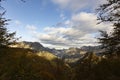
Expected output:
(24, 64)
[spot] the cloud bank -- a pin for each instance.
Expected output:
(78, 31)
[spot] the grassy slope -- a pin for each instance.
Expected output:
(22, 64)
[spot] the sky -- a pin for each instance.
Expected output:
(55, 23)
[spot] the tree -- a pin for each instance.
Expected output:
(110, 12)
(6, 38)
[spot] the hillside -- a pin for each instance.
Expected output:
(26, 64)
(22, 64)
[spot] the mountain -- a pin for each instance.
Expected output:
(96, 49)
(34, 45)
(69, 55)
(91, 48)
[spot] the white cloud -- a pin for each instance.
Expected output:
(62, 3)
(78, 31)
(31, 27)
(17, 22)
(83, 16)
(76, 5)
(87, 22)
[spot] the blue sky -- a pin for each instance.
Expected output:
(55, 23)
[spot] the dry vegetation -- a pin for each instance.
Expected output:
(24, 64)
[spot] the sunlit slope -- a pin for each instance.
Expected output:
(47, 55)
(24, 64)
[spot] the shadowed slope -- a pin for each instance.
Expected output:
(22, 64)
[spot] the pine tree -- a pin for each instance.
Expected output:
(6, 38)
(110, 12)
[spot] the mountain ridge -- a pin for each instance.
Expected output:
(69, 55)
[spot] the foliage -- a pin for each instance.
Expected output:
(97, 68)
(25, 64)
(110, 12)
(6, 38)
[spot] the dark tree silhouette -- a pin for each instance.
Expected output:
(110, 12)
(6, 38)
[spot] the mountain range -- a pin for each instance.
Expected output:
(69, 55)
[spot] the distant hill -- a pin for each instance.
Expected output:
(91, 48)
(69, 55)
(29, 45)
(34, 45)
